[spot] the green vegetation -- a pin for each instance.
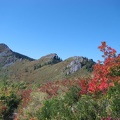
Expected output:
(71, 105)
(10, 97)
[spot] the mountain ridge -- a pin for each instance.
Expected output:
(18, 67)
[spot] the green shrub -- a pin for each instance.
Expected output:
(113, 95)
(82, 107)
(10, 97)
(60, 108)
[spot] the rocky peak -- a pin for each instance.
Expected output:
(51, 56)
(3, 47)
(5, 50)
(78, 62)
(8, 57)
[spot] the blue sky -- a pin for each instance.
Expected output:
(67, 27)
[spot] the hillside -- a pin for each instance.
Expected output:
(18, 67)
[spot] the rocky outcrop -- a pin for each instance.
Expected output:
(8, 57)
(79, 62)
(52, 58)
(5, 50)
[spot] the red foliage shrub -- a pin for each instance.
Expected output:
(105, 73)
(26, 97)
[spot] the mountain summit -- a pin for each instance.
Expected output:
(4, 48)
(8, 57)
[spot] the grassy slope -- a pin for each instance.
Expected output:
(25, 71)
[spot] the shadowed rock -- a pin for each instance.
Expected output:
(8, 57)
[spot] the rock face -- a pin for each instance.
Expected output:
(8, 57)
(4, 50)
(78, 62)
